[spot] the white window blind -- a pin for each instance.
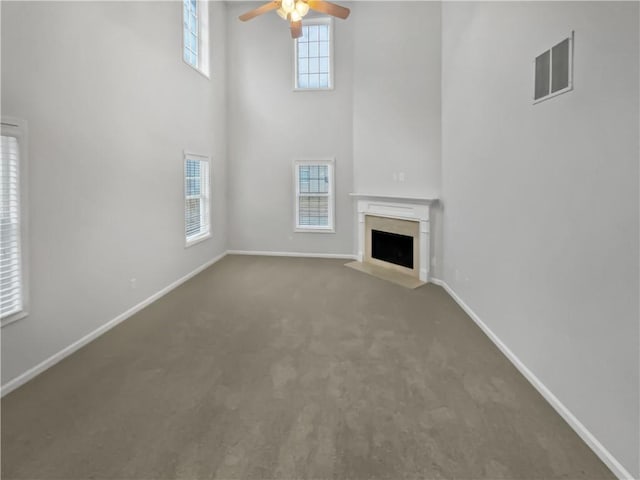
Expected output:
(314, 195)
(313, 56)
(11, 287)
(196, 202)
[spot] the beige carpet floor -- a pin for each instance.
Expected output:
(289, 368)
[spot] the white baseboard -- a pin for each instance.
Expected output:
(346, 256)
(614, 465)
(65, 352)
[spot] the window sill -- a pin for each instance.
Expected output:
(14, 318)
(319, 89)
(314, 230)
(194, 240)
(201, 72)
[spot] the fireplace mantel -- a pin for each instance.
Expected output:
(405, 208)
(428, 199)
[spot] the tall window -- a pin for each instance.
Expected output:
(195, 18)
(313, 53)
(314, 201)
(196, 198)
(12, 210)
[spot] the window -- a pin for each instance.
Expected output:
(195, 18)
(554, 71)
(12, 221)
(196, 198)
(314, 202)
(313, 54)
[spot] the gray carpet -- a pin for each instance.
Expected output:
(289, 368)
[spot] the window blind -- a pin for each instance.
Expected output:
(196, 187)
(10, 261)
(314, 191)
(313, 206)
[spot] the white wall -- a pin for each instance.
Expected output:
(541, 201)
(396, 97)
(396, 104)
(382, 117)
(270, 125)
(110, 106)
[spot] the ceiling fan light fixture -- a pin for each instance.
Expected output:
(293, 10)
(302, 7)
(288, 5)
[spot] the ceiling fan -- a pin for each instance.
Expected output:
(293, 11)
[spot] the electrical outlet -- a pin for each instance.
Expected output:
(134, 283)
(401, 177)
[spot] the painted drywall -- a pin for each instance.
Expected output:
(381, 118)
(396, 104)
(396, 97)
(270, 125)
(110, 106)
(541, 201)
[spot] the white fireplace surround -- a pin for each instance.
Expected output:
(403, 208)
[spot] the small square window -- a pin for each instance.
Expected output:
(323, 49)
(314, 50)
(303, 50)
(313, 33)
(314, 65)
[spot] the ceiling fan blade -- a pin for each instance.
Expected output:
(329, 8)
(267, 7)
(296, 29)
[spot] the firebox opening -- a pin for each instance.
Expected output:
(392, 247)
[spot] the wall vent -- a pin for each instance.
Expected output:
(553, 71)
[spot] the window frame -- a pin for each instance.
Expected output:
(202, 27)
(305, 23)
(202, 236)
(330, 228)
(18, 128)
(569, 87)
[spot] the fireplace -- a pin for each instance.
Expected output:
(392, 243)
(392, 247)
(402, 244)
